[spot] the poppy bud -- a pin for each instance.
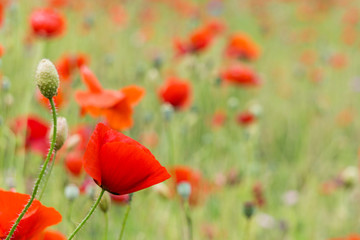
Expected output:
(184, 190)
(167, 111)
(6, 84)
(350, 176)
(61, 132)
(105, 203)
(47, 78)
(249, 209)
(71, 192)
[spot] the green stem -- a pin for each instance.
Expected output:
(247, 229)
(42, 172)
(47, 177)
(124, 221)
(188, 220)
(88, 215)
(106, 225)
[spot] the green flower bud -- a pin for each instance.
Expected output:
(184, 190)
(61, 132)
(105, 203)
(47, 78)
(249, 209)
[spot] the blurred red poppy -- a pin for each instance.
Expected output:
(2, 13)
(73, 163)
(218, 119)
(34, 222)
(47, 23)
(36, 133)
(184, 174)
(58, 3)
(119, 164)
(245, 118)
(115, 106)
(241, 46)
(199, 40)
(59, 99)
(2, 50)
(176, 92)
(241, 75)
(350, 237)
(68, 63)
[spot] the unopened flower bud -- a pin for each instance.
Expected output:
(71, 192)
(61, 132)
(47, 78)
(167, 111)
(350, 176)
(249, 209)
(184, 190)
(105, 203)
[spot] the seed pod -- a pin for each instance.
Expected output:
(47, 78)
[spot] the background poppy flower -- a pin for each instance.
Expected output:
(47, 23)
(241, 75)
(245, 118)
(120, 199)
(119, 164)
(176, 92)
(186, 174)
(68, 63)
(115, 106)
(37, 138)
(241, 46)
(36, 219)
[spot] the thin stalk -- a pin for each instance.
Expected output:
(124, 221)
(47, 177)
(188, 220)
(106, 225)
(87, 216)
(42, 172)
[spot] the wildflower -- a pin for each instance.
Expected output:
(36, 219)
(119, 164)
(176, 92)
(47, 23)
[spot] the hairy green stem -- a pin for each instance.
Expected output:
(124, 221)
(46, 180)
(42, 172)
(188, 220)
(87, 216)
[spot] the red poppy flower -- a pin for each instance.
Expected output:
(176, 92)
(199, 40)
(119, 164)
(73, 163)
(2, 50)
(185, 174)
(241, 75)
(47, 23)
(241, 46)
(245, 118)
(68, 63)
(50, 235)
(36, 219)
(58, 3)
(350, 237)
(118, 15)
(36, 133)
(218, 119)
(2, 13)
(115, 106)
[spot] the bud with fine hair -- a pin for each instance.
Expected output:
(105, 203)
(61, 132)
(47, 78)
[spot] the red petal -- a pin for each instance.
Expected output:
(133, 94)
(103, 99)
(90, 80)
(127, 168)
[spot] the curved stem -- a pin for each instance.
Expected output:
(124, 221)
(46, 180)
(42, 172)
(88, 215)
(106, 225)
